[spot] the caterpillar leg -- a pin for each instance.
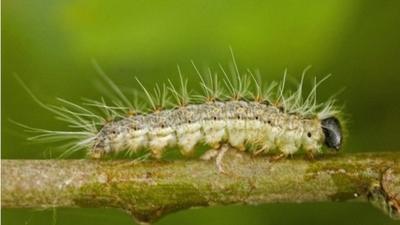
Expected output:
(96, 154)
(260, 150)
(218, 154)
(278, 157)
(209, 154)
(310, 155)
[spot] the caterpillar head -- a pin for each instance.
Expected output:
(332, 132)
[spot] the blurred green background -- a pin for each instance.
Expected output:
(50, 44)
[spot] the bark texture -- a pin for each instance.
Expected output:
(149, 190)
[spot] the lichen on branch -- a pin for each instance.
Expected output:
(149, 190)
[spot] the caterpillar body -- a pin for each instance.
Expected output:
(260, 121)
(238, 123)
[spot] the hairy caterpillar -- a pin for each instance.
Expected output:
(259, 120)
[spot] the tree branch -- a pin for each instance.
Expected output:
(150, 190)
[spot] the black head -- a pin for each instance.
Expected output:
(333, 132)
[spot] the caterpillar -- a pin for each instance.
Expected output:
(235, 110)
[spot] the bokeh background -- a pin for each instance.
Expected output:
(50, 44)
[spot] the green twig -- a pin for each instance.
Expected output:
(149, 190)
